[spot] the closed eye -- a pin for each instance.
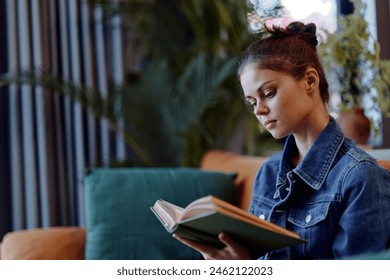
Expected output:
(251, 103)
(270, 94)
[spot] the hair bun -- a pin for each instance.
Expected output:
(306, 32)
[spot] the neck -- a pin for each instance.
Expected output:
(306, 139)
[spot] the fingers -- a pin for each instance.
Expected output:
(229, 242)
(236, 250)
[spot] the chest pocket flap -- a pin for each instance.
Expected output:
(309, 214)
(261, 207)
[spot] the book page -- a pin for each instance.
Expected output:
(168, 212)
(198, 207)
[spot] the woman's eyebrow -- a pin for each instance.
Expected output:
(260, 88)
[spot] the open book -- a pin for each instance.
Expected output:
(203, 219)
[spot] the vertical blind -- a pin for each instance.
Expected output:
(51, 140)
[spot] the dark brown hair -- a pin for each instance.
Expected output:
(289, 50)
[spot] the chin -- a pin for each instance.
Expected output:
(278, 135)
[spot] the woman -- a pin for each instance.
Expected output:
(321, 185)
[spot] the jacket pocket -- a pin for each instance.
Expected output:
(261, 208)
(308, 215)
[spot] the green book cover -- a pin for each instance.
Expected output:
(206, 228)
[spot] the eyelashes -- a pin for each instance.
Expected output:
(252, 102)
(250, 106)
(270, 93)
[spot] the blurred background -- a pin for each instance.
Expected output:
(88, 84)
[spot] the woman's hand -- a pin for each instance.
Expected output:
(231, 251)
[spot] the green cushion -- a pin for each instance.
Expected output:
(120, 224)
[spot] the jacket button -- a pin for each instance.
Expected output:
(262, 216)
(308, 218)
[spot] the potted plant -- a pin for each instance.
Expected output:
(358, 76)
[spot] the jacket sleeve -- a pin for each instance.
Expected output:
(364, 226)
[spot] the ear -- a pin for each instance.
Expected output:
(312, 79)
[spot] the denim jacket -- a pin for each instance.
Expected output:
(337, 198)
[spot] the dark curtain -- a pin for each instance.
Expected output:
(5, 215)
(47, 141)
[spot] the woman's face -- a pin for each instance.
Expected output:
(281, 103)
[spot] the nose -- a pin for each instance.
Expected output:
(261, 109)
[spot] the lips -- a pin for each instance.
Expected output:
(269, 124)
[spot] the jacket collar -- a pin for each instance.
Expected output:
(315, 166)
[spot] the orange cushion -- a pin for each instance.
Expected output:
(245, 166)
(385, 164)
(56, 243)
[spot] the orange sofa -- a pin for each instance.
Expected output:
(65, 243)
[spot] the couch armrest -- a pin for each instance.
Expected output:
(55, 243)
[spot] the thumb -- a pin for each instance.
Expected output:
(229, 241)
